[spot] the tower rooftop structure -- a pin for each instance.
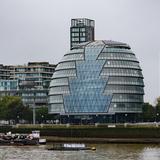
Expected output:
(81, 30)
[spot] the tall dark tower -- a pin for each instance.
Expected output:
(81, 30)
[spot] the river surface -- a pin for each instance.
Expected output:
(103, 152)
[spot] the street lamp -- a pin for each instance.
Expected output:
(42, 116)
(115, 118)
(157, 115)
(126, 117)
(17, 118)
(34, 109)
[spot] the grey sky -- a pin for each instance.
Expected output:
(38, 30)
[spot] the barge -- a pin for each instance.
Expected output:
(21, 139)
(70, 147)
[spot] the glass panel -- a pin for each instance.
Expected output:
(121, 72)
(127, 98)
(73, 57)
(56, 99)
(86, 91)
(117, 56)
(126, 80)
(59, 90)
(82, 39)
(65, 65)
(59, 82)
(64, 73)
(75, 51)
(123, 89)
(122, 64)
(126, 107)
(75, 29)
(75, 39)
(56, 108)
(82, 29)
(119, 50)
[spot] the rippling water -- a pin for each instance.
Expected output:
(103, 152)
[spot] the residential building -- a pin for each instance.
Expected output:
(5, 71)
(31, 82)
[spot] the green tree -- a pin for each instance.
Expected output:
(12, 108)
(158, 109)
(42, 115)
(148, 114)
(3, 109)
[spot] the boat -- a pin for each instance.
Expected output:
(21, 139)
(70, 147)
(42, 141)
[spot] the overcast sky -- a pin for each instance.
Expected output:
(38, 30)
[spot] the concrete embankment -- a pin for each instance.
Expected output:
(51, 139)
(93, 134)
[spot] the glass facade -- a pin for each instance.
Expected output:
(7, 85)
(100, 77)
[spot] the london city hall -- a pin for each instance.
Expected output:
(98, 78)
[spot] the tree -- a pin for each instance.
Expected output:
(158, 109)
(42, 115)
(12, 108)
(148, 114)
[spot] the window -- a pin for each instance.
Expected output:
(65, 65)
(82, 34)
(75, 29)
(82, 29)
(82, 39)
(74, 34)
(71, 57)
(75, 39)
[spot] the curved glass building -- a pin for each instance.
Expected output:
(97, 78)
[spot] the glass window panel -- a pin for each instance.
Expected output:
(127, 98)
(82, 39)
(76, 51)
(123, 89)
(56, 108)
(119, 50)
(124, 107)
(126, 80)
(118, 56)
(65, 65)
(59, 82)
(121, 72)
(72, 57)
(122, 64)
(56, 99)
(59, 90)
(75, 29)
(82, 29)
(64, 73)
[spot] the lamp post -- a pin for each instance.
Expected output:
(42, 116)
(17, 118)
(157, 115)
(126, 117)
(115, 118)
(34, 110)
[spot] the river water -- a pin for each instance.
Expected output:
(103, 152)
